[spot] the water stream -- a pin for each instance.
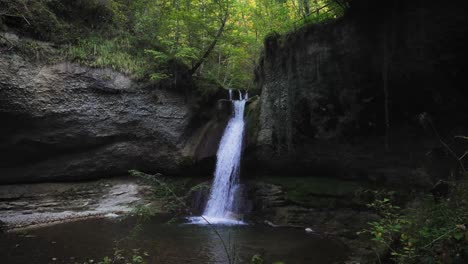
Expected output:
(221, 208)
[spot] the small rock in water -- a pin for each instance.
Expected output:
(111, 215)
(309, 230)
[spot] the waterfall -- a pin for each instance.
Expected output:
(220, 207)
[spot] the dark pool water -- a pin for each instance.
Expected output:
(77, 242)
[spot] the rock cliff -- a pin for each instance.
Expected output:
(344, 98)
(62, 121)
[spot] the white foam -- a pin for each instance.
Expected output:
(207, 220)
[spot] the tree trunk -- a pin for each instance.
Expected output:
(211, 46)
(305, 6)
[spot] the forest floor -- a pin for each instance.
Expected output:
(33, 205)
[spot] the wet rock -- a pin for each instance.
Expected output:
(266, 195)
(197, 197)
(56, 202)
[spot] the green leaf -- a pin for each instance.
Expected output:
(458, 236)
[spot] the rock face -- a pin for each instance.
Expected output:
(68, 122)
(334, 94)
(346, 80)
(317, 135)
(24, 205)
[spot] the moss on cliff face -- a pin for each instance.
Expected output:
(252, 114)
(84, 31)
(319, 192)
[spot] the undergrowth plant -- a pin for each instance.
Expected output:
(433, 228)
(165, 189)
(120, 256)
(116, 53)
(429, 231)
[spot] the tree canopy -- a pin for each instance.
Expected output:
(213, 39)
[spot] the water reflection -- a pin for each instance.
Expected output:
(167, 243)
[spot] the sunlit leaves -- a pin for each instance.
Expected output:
(149, 34)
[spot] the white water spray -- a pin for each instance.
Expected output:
(220, 208)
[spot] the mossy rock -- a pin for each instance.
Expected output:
(197, 197)
(319, 192)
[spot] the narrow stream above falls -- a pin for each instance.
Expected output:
(160, 242)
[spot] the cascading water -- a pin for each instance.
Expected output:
(221, 204)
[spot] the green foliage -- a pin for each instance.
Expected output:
(117, 53)
(143, 212)
(105, 260)
(120, 256)
(137, 259)
(207, 87)
(257, 259)
(419, 233)
(157, 76)
(144, 37)
(166, 189)
(158, 56)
